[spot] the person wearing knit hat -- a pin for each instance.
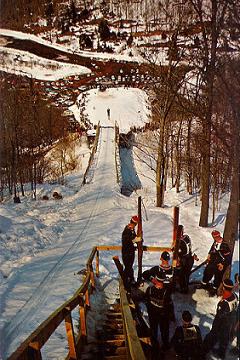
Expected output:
(160, 312)
(219, 257)
(185, 260)
(129, 237)
(164, 269)
(187, 339)
(222, 323)
(159, 303)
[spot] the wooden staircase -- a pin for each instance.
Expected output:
(110, 343)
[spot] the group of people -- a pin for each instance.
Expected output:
(163, 280)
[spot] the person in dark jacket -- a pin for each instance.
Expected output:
(222, 323)
(187, 339)
(185, 261)
(164, 269)
(129, 237)
(159, 305)
(219, 257)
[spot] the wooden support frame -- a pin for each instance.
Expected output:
(34, 351)
(97, 263)
(70, 335)
(175, 224)
(82, 315)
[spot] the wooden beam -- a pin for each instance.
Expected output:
(175, 224)
(70, 336)
(82, 314)
(132, 341)
(34, 351)
(97, 263)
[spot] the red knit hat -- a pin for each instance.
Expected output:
(216, 234)
(134, 219)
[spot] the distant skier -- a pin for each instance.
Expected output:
(219, 257)
(187, 339)
(222, 323)
(108, 113)
(129, 237)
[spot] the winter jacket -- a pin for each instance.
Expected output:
(128, 236)
(226, 312)
(187, 341)
(159, 300)
(185, 247)
(160, 272)
(220, 253)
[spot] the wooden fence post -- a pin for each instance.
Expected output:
(82, 313)
(175, 224)
(92, 281)
(34, 351)
(97, 263)
(70, 334)
(87, 298)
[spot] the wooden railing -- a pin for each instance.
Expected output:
(31, 347)
(132, 342)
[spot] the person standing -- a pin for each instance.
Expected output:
(108, 113)
(160, 307)
(187, 339)
(219, 257)
(129, 237)
(163, 269)
(222, 323)
(185, 260)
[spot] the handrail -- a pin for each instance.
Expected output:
(31, 347)
(132, 342)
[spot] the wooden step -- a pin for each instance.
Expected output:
(113, 325)
(116, 357)
(111, 330)
(115, 337)
(113, 314)
(113, 350)
(116, 342)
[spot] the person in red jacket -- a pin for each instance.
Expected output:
(129, 237)
(219, 257)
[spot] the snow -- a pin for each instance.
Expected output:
(128, 107)
(23, 63)
(92, 55)
(44, 244)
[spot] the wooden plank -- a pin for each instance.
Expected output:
(175, 224)
(97, 263)
(132, 341)
(118, 265)
(34, 351)
(70, 336)
(145, 248)
(82, 314)
(146, 340)
(140, 243)
(109, 247)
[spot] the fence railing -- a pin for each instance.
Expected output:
(31, 347)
